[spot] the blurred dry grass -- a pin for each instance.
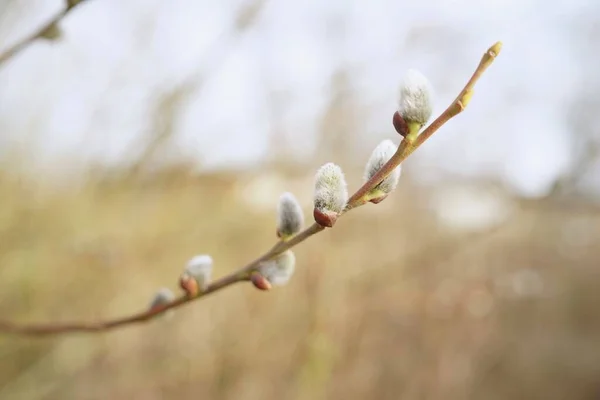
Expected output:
(388, 305)
(391, 304)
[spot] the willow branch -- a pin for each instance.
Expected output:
(239, 276)
(243, 274)
(41, 32)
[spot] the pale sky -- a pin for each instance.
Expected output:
(90, 95)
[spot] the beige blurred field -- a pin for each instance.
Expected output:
(390, 304)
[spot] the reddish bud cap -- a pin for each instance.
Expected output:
(260, 282)
(400, 124)
(189, 285)
(324, 218)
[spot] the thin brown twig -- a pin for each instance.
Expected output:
(38, 33)
(243, 274)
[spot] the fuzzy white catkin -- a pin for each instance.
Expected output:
(161, 297)
(416, 98)
(290, 217)
(331, 190)
(200, 268)
(382, 153)
(279, 270)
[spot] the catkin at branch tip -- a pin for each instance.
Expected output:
(415, 103)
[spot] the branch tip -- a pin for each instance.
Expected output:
(495, 49)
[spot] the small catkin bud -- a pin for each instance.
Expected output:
(382, 153)
(200, 268)
(162, 297)
(416, 98)
(189, 285)
(260, 282)
(331, 194)
(278, 270)
(290, 217)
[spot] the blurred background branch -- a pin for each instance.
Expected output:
(49, 30)
(173, 101)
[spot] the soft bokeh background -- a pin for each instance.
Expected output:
(150, 131)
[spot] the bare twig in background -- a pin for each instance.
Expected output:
(585, 148)
(170, 103)
(49, 28)
(410, 143)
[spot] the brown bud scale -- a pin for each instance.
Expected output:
(400, 124)
(379, 199)
(189, 285)
(260, 282)
(323, 218)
